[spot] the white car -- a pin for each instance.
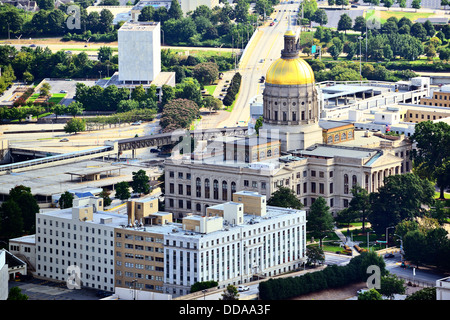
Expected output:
(243, 288)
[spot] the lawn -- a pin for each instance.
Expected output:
(210, 89)
(57, 97)
(384, 15)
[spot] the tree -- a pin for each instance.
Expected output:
(414, 245)
(371, 294)
(140, 183)
(388, 3)
(424, 294)
(314, 255)
(15, 293)
(418, 31)
(429, 28)
(230, 293)
(344, 23)
(75, 108)
(259, 124)
(360, 24)
(147, 14)
(105, 53)
(360, 204)
(390, 285)
(175, 11)
(178, 113)
(285, 198)
(45, 89)
(105, 21)
(401, 197)
(123, 190)
(206, 72)
(416, 4)
(319, 219)
(27, 204)
(320, 16)
(75, 125)
(212, 103)
(432, 151)
(336, 48)
(66, 200)
(105, 196)
(11, 220)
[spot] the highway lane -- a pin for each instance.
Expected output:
(260, 53)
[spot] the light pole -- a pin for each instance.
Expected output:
(360, 73)
(368, 240)
(321, 242)
(401, 245)
(387, 235)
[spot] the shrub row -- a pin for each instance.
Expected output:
(332, 276)
(23, 98)
(233, 89)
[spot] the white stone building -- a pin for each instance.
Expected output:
(78, 237)
(139, 45)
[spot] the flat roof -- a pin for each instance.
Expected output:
(54, 179)
(330, 151)
(139, 26)
(340, 90)
(94, 170)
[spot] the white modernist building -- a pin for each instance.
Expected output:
(3, 276)
(139, 45)
(78, 238)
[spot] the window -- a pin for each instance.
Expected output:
(313, 187)
(321, 188)
(354, 181)
(224, 190)
(207, 189)
(345, 183)
(198, 187)
(233, 187)
(216, 189)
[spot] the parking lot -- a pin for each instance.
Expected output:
(37, 289)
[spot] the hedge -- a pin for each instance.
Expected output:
(332, 276)
(233, 89)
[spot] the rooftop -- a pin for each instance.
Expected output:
(139, 26)
(330, 151)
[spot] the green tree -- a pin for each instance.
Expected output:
(416, 4)
(105, 21)
(45, 89)
(147, 13)
(414, 245)
(432, 151)
(285, 198)
(319, 220)
(424, 294)
(360, 204)
(104, 53)
(123, 190)
(344, 23)
(74, 108)
(75, 125)
(66, 200)
(175, 11)
(11, 220)
(105, 196)
(320, 16)
(230, 293)
(15, 293)
(259, 124)
(419, 31)
(140, 183)
(359, 24)
(27, 204)
(390, 285)
(206, 72)
(314, 255)
(401, 197)
(371, 294)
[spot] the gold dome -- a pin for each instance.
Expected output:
(290, 72)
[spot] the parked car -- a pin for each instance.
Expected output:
(272, 24)
(389, 255)
(64, 140)
(62, 91)
(137, 123)
(243, 288)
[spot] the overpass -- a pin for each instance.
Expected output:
(163, 139)
(112, 148)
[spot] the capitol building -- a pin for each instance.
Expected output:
(292, 149)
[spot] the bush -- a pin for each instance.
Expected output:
(331, 277)
(233, 89)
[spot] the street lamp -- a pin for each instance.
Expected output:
(321, 242)
(368, 240)
(401, 245)
(360, 74)
(387, 235)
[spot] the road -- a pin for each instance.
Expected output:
(258, 56)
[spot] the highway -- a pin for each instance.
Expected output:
(260, 53)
